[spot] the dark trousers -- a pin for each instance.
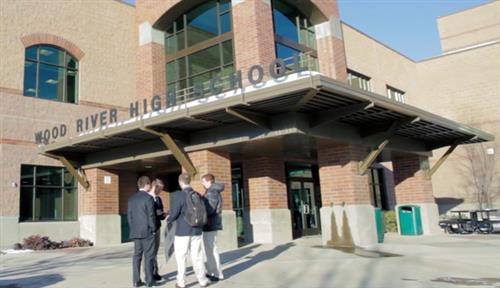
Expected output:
(155, 254)
(143, 247)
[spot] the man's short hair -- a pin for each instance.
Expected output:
(209, 178)
(143, 181)
(185, 178)
(157, 182)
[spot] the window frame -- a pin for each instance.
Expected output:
(37, 62)
(365, 78)
(34, 186)
(397, 93)
(218, 40)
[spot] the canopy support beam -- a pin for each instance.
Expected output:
(80, 177)
(441, 160)
(254, 118)
(177, 152)
(385, 137)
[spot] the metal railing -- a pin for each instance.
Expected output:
(227, 83)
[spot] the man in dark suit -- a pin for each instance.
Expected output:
(157, 187)
(142, 222)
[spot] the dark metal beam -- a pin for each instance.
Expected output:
(306, 98)
(257, 119)
(331, 115)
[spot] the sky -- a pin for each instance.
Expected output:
(407, 26)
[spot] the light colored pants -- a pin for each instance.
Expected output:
(212, 254)
(184, 244)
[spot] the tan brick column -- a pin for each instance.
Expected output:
(414, 187)
(253, 34)
(345, 195)
(99, 208)
(265, 185)
(218, 164)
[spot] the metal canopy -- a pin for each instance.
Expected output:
(318, 106)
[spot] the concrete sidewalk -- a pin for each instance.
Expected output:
(437, 261)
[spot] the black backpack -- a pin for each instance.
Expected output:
(196, 212)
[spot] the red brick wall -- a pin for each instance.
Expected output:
(265, 184)
(332, 58)
(338, 173)
(151, 74)
(411, 182)
(100, 198)
(253, 35)
(218, 164)
(44, 38)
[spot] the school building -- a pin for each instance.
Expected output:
(309, 122)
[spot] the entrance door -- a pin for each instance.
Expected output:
(305, 213)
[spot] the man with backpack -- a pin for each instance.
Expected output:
(189, 210)
(213, 201)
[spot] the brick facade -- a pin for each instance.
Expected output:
(265, 184)
(338, 173)
(332, 58)
(218, 164)
(410, 180)
(100, 199)
(45, 38)
(253, 34)
(151, 74)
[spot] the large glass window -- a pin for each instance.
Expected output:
(358, 80)
(199, 45)
(294, 34)
(47, 194)
(50, 73)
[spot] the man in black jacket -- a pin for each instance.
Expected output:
(157, 187)
(142, 222)
(213, 202)
(187, 237)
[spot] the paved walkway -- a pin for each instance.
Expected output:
(438, 261)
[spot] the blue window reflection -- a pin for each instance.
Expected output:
(50, 73)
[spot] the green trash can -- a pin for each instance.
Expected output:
(409, 220)
(380, 225)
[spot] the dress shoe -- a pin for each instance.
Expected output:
(151, 284)
(157, 277)
(212, 278)
(138, 284)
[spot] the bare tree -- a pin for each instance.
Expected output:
(481, 164)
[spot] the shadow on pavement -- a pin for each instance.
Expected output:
(254, 260)
(32, 282)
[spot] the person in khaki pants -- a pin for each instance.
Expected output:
(213, 202)
(187, 237)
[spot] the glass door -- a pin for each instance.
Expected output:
(303, 207)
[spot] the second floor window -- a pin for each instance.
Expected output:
(395, 94)
(199, 46)
(358, 80)
(294, 34)
(50, 73)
